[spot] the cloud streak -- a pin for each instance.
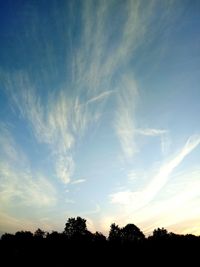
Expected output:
(124, 123)
(179, 200)
(18, 183)
(151, 132)
(57, 123)
(141, 198)
(173, 212)
(91, 54)
(64, 116)
(79, 181)
(99, 97)
(163, 175)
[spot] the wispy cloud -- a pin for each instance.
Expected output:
(65, 115)
(98, 61)
(162, 133)
(99, 97)
(97, 69)
(166, 169)
(56, 122)
(48, 123)
(151, 132)
(9, 149)
(25, 188)
(64, 168)
(19, 186)
(141, 198)
(78, 181)
(132, 175)
(173, 212)
(127, 133)
(165, 144)
(125, 123)
(123, 197)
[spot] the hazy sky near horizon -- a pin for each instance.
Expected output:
(99, 114)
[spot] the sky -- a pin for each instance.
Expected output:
(99, 114)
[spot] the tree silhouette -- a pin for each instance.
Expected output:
(76, 228)
(99, 238)
(76, 242)
(54, 235)
(7, 237)
(131, 233)
(39, 234)
(23, 236)
(160, 233)
(115, 234)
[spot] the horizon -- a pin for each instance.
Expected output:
(86, 231)
(99, 105)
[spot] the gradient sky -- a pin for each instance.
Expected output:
(99, 114)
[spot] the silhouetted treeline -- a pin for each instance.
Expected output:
(77, 244)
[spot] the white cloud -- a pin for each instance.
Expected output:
(165, 141)
(124, 123)
(132, 175)
(130, 38)
(25, 188)
(174, 211)
(99, 97)
(136, 200)
(50, 121)
(95, 63)
(63, 119)
(64, 116)
(123, 197)
(166, 169)
(171, 211)
(19, 185)
(78, 181)
(64, 168)
(9, 149)
(58, 122)
(151, 132)
(165, 144)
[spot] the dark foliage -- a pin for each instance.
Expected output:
(126, 246)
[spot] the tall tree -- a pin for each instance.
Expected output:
(115, 234)
(131, 233)
(75, 227)
(160, 233)
(39, 234)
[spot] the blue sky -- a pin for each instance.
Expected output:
(99, 107)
